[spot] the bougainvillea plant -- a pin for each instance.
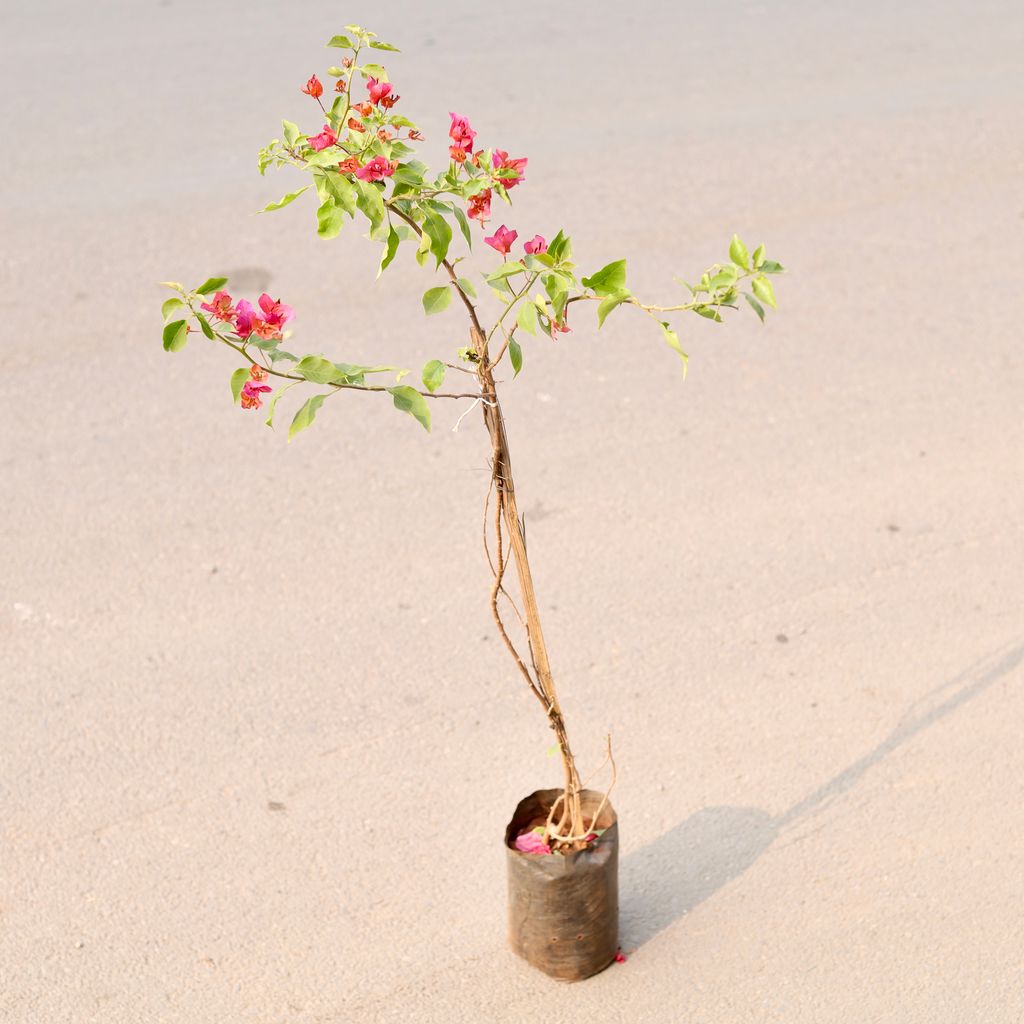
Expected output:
(361, 159)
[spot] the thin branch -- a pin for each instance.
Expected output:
(501, 351)
(504, 558)
(240, 349)
(470, 308)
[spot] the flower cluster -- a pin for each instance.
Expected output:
(376, 169)
(254, 387)
(267, 321)
(462, 136)
(506, 171)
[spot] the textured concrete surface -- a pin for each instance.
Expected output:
(258, 740)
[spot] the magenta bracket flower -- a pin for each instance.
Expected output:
(361, 162)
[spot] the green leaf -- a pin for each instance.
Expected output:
(329, 218)
(173, 307)
(284, 200)
(353, 374)
(342, 43)
(326, 159)
(758, 256)
(439, 232)
(306, 414)
(738, 253)
(436, 300)
(317, 369)
(515, 355)
(205, 326)
(211, 284)
(509, 269)
(467, 286)
(708, 312)
(464, 226)
(376, 44)
(527, 317)
(368, 199)
(291, 132)
(423, 249)
(763, 290)
(560, 247)
(608, 280)
(175, 336)
(726, 276)
(607, 304)
(390, 248)
(755, 306)
(433, 375)
(238, 379)
(673, 340)
(376, 70)
(411, 173)
(540, 261)
(771, 267)
(409, 400)
(272, 405)
(557, 288)
(277, 354)
(332, 185)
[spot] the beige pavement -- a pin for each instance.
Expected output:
(258, 739)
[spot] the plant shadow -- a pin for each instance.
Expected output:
(679, 870)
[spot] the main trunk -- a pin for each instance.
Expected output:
(504, 484)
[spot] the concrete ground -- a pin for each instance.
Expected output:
(259, 740)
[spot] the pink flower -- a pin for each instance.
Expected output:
(620, 957)
(377, 90)
(530, 842)
(508, 172)
(265, 329)
(536, 245)
(502, 239)
(561, 326)
(480, 205)
(377, 169)
(314, 88)
(244, 317)
(274, 311)
(251, 394)
(324, 139)
(220, 307)
(461, 133)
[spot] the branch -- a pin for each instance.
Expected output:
(240, 349)
(470, 308)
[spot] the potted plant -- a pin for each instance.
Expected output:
(561, 844)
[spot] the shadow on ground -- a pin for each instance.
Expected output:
(688, 864)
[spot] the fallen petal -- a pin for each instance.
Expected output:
(530, 842)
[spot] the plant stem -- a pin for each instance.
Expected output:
(508, 512)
